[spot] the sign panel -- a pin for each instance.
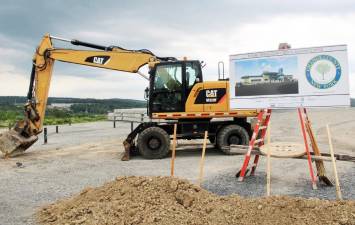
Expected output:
(309, 77)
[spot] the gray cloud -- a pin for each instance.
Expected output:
(28, 20)
(168, 28)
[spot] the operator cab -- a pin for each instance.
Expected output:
(171, 83)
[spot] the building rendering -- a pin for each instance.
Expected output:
(266, 77)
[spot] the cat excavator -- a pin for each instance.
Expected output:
(177, 94)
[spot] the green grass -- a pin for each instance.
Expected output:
(10, 114)
(81, 110)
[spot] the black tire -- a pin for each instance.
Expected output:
(153, 143)
(232, 134)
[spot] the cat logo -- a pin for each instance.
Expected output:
(211, 93)
(98, 59)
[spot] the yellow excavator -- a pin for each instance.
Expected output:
(177, 94)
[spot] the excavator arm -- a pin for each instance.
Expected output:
(25, 132)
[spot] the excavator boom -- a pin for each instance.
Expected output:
(24, 133)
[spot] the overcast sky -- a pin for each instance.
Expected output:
(203, 30)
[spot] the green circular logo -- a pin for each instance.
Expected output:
(323, 71)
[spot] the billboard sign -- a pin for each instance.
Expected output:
(308, 77)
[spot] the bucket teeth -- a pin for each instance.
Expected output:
(12, 143)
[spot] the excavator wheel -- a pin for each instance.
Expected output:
(153, 143)
(232, 134)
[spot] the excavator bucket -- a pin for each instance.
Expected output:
(13, 143)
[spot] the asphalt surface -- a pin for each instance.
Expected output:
(84, 155)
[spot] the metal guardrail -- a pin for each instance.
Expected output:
(129, 117)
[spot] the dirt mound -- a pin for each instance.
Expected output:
(165, 200)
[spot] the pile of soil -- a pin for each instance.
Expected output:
(165, 200)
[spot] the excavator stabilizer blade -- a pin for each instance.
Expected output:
(12, 143)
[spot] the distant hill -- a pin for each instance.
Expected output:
(78, 105)
(117, 102)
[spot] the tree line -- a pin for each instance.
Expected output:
(80, 110)
(113, 102)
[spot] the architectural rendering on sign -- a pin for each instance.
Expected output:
(310, 77)
(275, 76)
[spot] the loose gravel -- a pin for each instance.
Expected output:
(166, 200)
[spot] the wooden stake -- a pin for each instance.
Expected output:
(173, 152)
(268, 163)
(202, 158)
(337, 185)
(319, 163)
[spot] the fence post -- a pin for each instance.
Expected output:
(45, 135)
(131, 126)
(10, 125)
(70, 122)
(114, 121)
(56, 129)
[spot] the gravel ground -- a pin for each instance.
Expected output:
(84, 155)
(293, 182)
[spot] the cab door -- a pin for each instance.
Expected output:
(193, 77)
(166, 88)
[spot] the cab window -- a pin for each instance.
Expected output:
(192, 72)
(168, 78)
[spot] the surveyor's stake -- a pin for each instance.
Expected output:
(337, 185)
(202, 158)
(268, 168)
(173, 152)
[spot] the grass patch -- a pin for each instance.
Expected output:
(10, 114)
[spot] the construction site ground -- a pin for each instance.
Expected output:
(83, 155)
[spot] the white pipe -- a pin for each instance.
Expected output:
(60, 39)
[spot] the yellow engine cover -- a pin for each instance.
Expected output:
(209, 96)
